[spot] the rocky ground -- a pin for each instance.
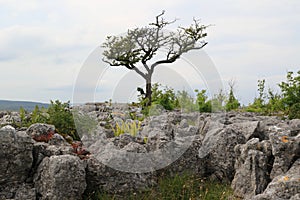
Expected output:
(259, 155)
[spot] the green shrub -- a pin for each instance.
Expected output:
(294, 111)
(37, 116)
(61, 117)
(186, 102)
(204, 105)
(165, 97)
(232, 103)
(58, 114)
(161, 95)
(291, 93)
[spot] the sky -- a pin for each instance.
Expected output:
(46, 46)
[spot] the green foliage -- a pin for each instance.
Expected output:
(204, 105)
(164, 97)
(61, 117)
(39, 115)
(184, 187)
(218, 101)
(140, 47)
(186, 102)
(291, 93)
(57, 114)
(294, 111)
(130, 127)
(258, 104)
(232, 103)
(274, 104)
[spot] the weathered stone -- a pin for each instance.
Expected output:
(286, 149)
(57, 140)
(252, 168)
(184, 123)
(106, 179)
(25, 191)
(294, 126)
(60, 178)
(188, 162)
(135, 147)
(41, 132)
(218, 151)
(16, 155)
(247, 128)
(42, 150)
(15, 160)
(284, 186)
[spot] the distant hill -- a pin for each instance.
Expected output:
(15, 105)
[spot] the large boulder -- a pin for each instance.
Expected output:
(217, 151)
(15, 159)
(106, 179)
(284, 186)
(60, 178)
(286, 149)
(252, 168)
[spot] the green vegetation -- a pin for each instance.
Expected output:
(232, 103)
(183, 187)
(141, 46)
(166, 98)
(131, 128)
(291, 94)
(58, 114)
(287, 102)
(204, 105)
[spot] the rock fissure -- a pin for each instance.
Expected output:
(259, 155)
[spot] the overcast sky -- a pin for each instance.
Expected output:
(44, 44)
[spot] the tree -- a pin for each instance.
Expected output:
(138, 47)
(232, 102)
(204, 105)
(291, 94)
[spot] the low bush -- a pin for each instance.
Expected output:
(58, 114)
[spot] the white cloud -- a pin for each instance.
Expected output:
(45, 43)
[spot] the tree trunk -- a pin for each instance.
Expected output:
(148, 95)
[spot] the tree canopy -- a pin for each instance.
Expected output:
(137, 50)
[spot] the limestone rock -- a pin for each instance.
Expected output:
(25, 191)
(41, 132)
(247, 128)
(104, 178)
(286, 149)
(15, 160)
(284, 186)
(60, 178)
(57, 140)
(252, 168)
(218, 151)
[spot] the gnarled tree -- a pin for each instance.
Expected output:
(136, 49)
